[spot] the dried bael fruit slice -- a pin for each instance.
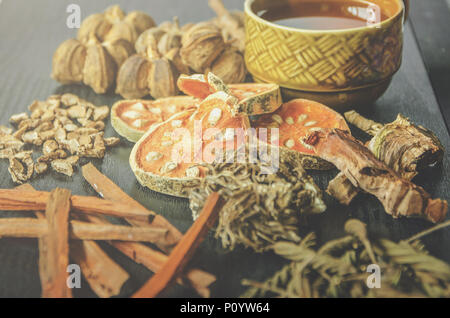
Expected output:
(296, 120)
(166, 158)
(132, 118)
(252, 98)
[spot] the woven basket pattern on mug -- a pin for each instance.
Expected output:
(322, 61)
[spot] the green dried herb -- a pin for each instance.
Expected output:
(338, 268)
(261, 208)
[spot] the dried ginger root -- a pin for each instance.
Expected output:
(399, 197)
(403, 146)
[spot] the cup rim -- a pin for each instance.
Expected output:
(248, 10)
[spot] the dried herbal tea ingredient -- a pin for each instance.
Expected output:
(403, 146)
(232, 24)
(65, 127)
(105, 41)
(339, 268)
(400, 197)
(260, 208)
(201, 45)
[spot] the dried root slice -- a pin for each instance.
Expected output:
(166, 158)
(252, 98)
(401, 145)
(399, 197)
(296, 120)
(132, 118)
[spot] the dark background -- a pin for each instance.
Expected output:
(30, 31)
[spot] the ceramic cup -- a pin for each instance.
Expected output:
(341, 68)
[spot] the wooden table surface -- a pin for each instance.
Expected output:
(30, 31)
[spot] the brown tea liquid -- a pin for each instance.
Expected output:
(324, 15)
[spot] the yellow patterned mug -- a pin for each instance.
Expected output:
(338, 67)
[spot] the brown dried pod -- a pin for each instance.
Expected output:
(120, 50)
(202, 44)
(174, 56)
(94, 24)
(140, 20)
(122, 30)
(171, 39)
(163, 77)
(114, 14)
(132, 80)
(148, 38)
(100, 69)
(68, 62)
(230, 66)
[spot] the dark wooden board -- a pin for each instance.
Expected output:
(29, 34)
(431, 22)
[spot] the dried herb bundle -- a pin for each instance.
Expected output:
(260, 208)
(338, 268)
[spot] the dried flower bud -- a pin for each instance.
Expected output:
(230, 66)
(95, 24)
(140, 21)
(202, 44)
(132, 80)
(68, 62)
(99, 70)
(120, 50)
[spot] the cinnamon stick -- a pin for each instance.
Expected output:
(19, 200)
(399, 197)
(103, 275)
(144, 255)
(110, 191)
(184, 250)
(54, 252)
(36, 228)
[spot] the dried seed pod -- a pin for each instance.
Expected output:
(122, 30)
(114, 14)
(171, 39)
(140, 21)
(120, 50)
(163, 77)
(68, 62)
(175, 57)
(132, 80)
(202, 44)
(95, 24)
(99, 70)
(148, 38)
(230, 66)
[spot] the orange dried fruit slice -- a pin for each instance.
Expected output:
(296, 120)
(166, 159)
(132, 118)
(251, 98)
